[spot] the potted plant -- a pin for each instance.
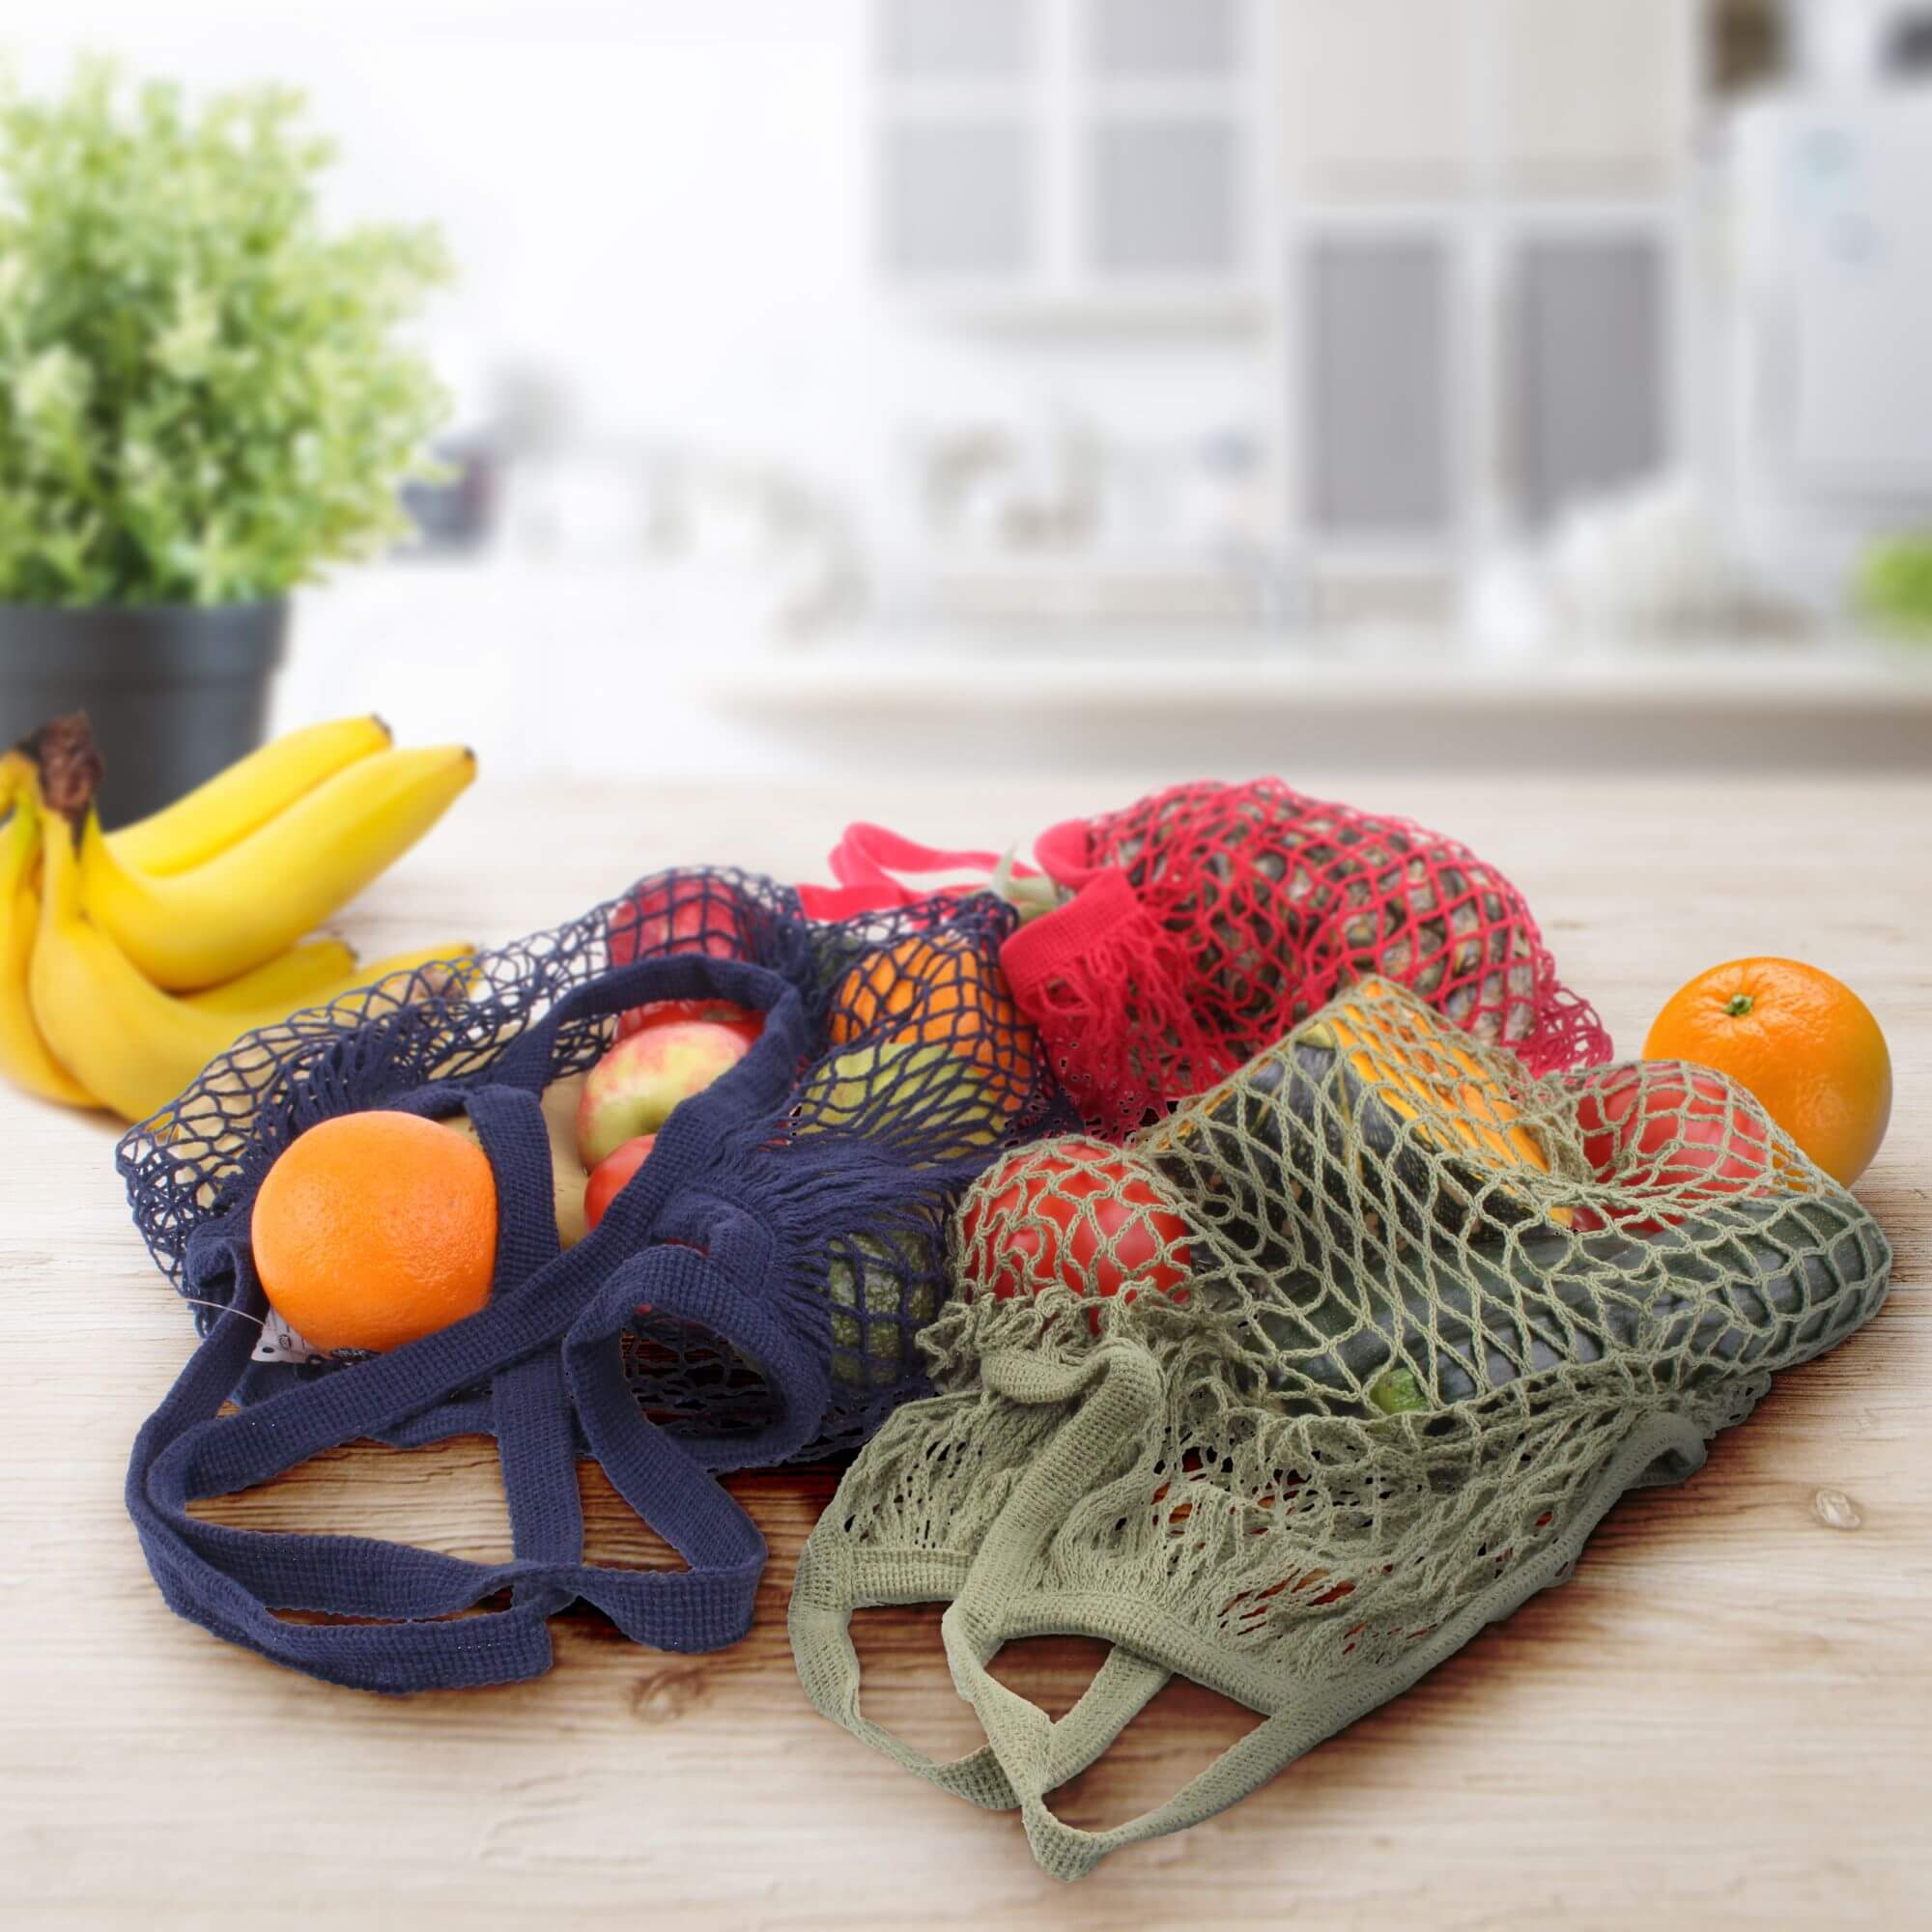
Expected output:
(204, 398)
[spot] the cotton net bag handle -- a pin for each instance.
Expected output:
(1023, 1742)
(236, 1583)
(837, 1577)
(1395, 1324)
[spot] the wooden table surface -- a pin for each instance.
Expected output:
(1725, 1718)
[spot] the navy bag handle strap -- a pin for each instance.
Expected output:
(725, 1275)
(669, 1481)
(528, 1061)
(232, 1581)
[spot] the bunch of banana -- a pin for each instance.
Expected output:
(130, 959)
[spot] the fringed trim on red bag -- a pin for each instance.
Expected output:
(1567, 1034)
(1106, 984)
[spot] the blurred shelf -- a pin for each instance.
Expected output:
(1206, 675)
(1133, 310)
(609, 668)
(1361, 706)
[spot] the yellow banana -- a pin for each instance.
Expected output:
(247, 903)
(129, 1042)
(387, 980)
(290, 980)
(330, 971)
(246, 796)
(24, 1057)
(139, 1045)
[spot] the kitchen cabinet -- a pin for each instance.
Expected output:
(1165, 197)
(1069, 156)
(1591, 97)
(1156, 40)
(1459, 230)
(1377, 98)
(1588, 374)
(1484, 211)
(1448, 98)
(1377, 383)
(958, 198)
(955, 39)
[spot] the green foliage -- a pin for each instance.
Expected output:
(203, 395)
(1896, 584)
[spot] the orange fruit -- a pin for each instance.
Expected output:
(376, 1229)
(953, 996)
(1804, 1043)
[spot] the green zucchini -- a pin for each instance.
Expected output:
(1757, 1283)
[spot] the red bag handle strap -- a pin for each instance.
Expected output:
(1061, 851)
(868, 861)
(873, 854)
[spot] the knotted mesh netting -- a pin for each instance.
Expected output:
(451, 1022)
(749, 1295)
(1303, 1384)
(1211, 917)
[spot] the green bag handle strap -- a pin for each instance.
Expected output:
(1119, 1392)
(832, 1584)
(1017, 1730)
(1123, 1389)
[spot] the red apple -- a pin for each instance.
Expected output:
(667, 1012)
(1665, 1125)
(633, 1089)
(679, 913)
(608, 1176)
(1076, 1213)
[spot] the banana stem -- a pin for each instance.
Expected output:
(69, 766)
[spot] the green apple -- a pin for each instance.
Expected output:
(870, 1088)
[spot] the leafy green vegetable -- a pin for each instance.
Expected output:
(203, 396)
(1896, 584)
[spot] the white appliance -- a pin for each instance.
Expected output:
(1831, 196)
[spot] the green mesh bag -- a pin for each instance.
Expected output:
(1305, 1384)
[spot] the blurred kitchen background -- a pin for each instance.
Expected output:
(1185, 384)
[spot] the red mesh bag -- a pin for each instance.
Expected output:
(1173, 939)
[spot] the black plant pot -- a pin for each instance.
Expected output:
(175, 692)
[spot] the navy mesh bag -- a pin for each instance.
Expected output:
(750, 1297)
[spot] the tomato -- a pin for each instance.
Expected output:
(741, 1020)
(1071, 1211)
(608, 1176)
(1666, 1125)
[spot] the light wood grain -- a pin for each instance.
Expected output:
(1725, 1720)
